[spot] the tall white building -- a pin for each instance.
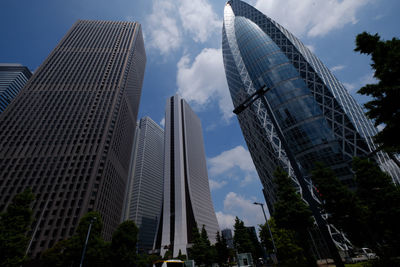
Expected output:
(187, 198)
(145, 191)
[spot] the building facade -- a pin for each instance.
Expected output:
(13, 78)
(187, 199)
(227, 234)
(145, 191)
(319, 119)
(68, 135)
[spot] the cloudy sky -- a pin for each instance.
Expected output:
(183, 45)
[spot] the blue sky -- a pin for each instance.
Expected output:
(183, 46)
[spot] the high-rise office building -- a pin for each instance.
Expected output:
(187, 199)
(13, 78)
(145, 191)
(304, 102)
(68, 135)
(227, 234)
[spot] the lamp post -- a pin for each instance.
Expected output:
(259, 94)
(86, 241)
(269, 228)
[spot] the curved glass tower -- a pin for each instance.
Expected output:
(316, 115)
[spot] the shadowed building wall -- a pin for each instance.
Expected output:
(69, 133)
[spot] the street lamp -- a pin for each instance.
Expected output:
(259, 94)
(269, 229)
(87, 239)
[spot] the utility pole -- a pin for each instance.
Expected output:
(86, 241)
(269, 229)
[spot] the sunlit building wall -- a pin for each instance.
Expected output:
(319, 119)
(144, 198)
(187, 199)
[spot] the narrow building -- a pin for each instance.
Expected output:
(187, 199)
(145, 190)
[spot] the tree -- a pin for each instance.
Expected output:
(241, 237)
(68, 252)
(384, 108)
(222, 250)
(289, 253)
(343, 206)
(201, 252)
(290, 210)
(14, 225)
(291, 213)
(144, 260)
(381, 197)
(123, 244)
(181, 256)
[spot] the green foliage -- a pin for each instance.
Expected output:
(222, 250)
(181, 256)
(241, 238)
(144, 260)
(289, 252)
(382, 199)
(344, 207)
(292, 214)
(202, 252)
(168, 254)
(245, 241)
(290, 210)
(123, 244)
(68, 252)
(384, 108)
(14, 224)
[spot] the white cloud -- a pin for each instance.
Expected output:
(225, 220)
(248, 179)
(356, 85)
(198, 19)
(130, 18)
(368, 79)
(338, 67)
(243, 208)
(214, 185)
(162, 122)
(163, 28)
(311, 47)
(314, 18)
(228, 160)
(203, 81)
(170, 20)
(350, 86)
(379, 17)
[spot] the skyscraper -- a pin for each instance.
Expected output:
(145, 192)
(69, 133)
(227, 234)
(13, 77)
(316, 116)
(187, 199)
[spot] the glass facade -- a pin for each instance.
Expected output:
(13, 78)
(319, 120)
(145, 187)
